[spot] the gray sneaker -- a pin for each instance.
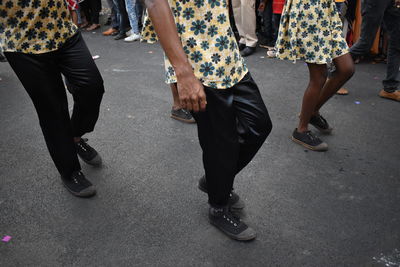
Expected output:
(229, 224)
(182, 115)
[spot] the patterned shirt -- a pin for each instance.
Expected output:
(208, 41)
(34, 26)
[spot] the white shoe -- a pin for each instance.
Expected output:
(132, 38)
(129, 33)
(271, 53)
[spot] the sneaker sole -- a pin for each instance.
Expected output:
(184, 120)
(244, 239)
(91, 193)
(324, 148)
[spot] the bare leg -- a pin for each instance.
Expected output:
(74, 17)
(344, 71)
(318, 75)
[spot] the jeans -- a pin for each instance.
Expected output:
(373, 13)
(122, 16)
(40, 74)
(114, 18)
(134, 9)
(231, 130)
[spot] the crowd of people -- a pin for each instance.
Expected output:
(204, 65)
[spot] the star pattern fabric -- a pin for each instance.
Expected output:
(208, 41)
(34, 26)
(310, 30)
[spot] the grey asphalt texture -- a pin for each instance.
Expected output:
(339, 208)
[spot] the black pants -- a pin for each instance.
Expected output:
(92, 9)
(231, 131)
(373, 13)
(40, 74)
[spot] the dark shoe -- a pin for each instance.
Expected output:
(120, 36)
(241, 47)
(224, 220)
(321, 124)
(235, 203)
(182, 115)
(393, 95)
(2, 58)
(87, 153)
(78, 185)
(247, 51)
(115, 33)
(309, 140)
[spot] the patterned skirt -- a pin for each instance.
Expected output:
(310, 30)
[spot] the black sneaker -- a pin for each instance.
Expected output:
(229, 224)
(247, 51)
(78, 185)
(321, 124)
(120, 36)
(182, 115)
(87, 153)
(241, 47)
(309, 140)
(235, 203)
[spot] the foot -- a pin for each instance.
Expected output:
(248, 51)
(321, 124)
(132, 37)
(78, 185)
(182, 115)
(235, 203)
(342, 91)
(120, 36)
(109, 32)
(224, 220)
(267, 46)
(93, 27)
(309, 140)
(241, 47)
(87, 153)
(393, 96)
(271, 53)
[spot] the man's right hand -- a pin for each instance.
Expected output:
(191, 92)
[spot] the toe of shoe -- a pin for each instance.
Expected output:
(87, 192)
(247, 235)
(321, 147)
(96, 161)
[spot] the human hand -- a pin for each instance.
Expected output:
(191, 92)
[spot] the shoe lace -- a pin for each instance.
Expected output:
(311, 135)
(83, 145)
(230, 218)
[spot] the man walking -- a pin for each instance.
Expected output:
(373, 13)
(214, 83)
(40, 42)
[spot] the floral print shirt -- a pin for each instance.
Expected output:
(208, 41)
(34, 26)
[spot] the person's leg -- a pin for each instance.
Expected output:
(177, 112)
(253, 121)
(392, 81)
(249, 22)
(344, 71)
(372, 15)
(122, 18)
(132, 15)
(267, 26)
(95, 8)
(114, 20)
(301, 135)
(84, 82)
(238, 16)
(41, 78)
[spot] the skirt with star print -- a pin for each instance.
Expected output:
(311, 31)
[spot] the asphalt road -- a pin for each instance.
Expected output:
(339, 208)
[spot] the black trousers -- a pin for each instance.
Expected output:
(231, 131)
(40, 74)
(92, 9)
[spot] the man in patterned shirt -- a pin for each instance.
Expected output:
(40, 42)
(213, 82)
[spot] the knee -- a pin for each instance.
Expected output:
(346, 71)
